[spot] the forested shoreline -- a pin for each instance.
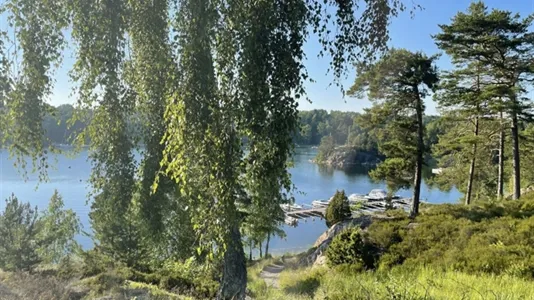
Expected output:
(211, 90)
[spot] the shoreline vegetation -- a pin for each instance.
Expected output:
(212, 90)
(449, 251)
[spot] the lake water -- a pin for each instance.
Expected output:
(70, 175)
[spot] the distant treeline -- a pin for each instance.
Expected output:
(346, 129)
(61, 125)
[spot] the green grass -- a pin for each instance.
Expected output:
(398, 283)
(155, 292)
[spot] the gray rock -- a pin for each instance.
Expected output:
(316, 254)
(346, 156)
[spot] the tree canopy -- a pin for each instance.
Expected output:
(201, 74)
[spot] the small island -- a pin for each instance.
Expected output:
(345, 156)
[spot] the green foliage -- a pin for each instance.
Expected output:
(39, 35)
(351, 248)
(326, 147)
(399, 283)
(338, 209)
(240, 75)
(29, 238)
(95, 262)
(61, 126)
(59, 227)
(189, 278)
(397, 83)
(489, 239)
(19, 236)
(454, 153)
(492, 51)
(342, 126)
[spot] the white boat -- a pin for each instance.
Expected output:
(355, 198)
(291, 221)
(290, 207)
(320, 203)
(378, 194)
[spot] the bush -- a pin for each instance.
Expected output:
(338, 209)
(95, 262)
(27, 238)
(494, 238)
(19, 231)
(350, 248)
(59, 226)
(189, 278)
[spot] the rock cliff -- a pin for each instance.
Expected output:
(345, 156)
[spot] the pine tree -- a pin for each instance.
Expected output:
(454, 153)
(19, 236)
(467, 91)
(397, 84)
(59, 228)
(338, 209)
(503, 43)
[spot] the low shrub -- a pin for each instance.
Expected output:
(350, 247)
(189, 278)
(496, 238)
(95, 262)
(29, 238)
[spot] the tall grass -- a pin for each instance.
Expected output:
(400, 283)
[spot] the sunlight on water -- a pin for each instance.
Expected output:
(70, 176)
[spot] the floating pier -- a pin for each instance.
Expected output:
(366, 207)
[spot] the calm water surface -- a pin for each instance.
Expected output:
(313, 182)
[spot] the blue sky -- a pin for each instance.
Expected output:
(406, 32)
(413, 34)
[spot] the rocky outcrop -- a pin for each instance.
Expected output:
(315, 255)
(345, 157)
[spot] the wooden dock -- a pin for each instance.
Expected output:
(293, 216)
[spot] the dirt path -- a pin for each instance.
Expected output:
(6, 294)
(271, 273)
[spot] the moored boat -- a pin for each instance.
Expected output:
(320, 203)
(291, 221)
(355, 198)
(379, 194)
(290, 207)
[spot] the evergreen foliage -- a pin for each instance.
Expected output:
(397, 84)
(211, 89)
(338, 209)
(19, 236)
(59, 228)
(494, 48)
(326, 147)
(350, 248)
(28, 238)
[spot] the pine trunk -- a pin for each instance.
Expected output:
(500, 176)
(250, 250)
(419, 159)
(261, 250)
(267, 244)
(234, 277)
(516, 158)
(469, 192)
